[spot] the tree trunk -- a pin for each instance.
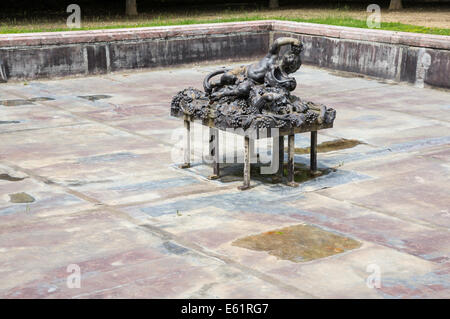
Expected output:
(273, 4)
(131, 9)
(395, 5)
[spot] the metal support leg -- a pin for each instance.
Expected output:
(187, 145)
(291, 152)
(214, 152)
(313, 153)
(278, 178)
(281, 156)
(253, 156)
(246, 184)
(254, 152)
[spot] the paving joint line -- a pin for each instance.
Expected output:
(77, 115)
(401, 218)
(169, 236)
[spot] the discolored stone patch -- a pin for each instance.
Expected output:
(19, 102)
(9, 122)
(7, 177)
(41, 98)
(94, 97)
(330, 146)
(298, 243)
(20, 198)
(302, 173)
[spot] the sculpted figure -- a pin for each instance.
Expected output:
(256, 95)
(271, 69)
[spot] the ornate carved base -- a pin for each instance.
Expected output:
(255, 99)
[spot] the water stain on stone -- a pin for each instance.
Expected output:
(302, 173)
(330, 146)
(20, 102)
(7, 177)
(15, 102)
(107, 157)
(9, 122)
(20, 198)
(298, 243)
(82, 183)
(174, 248)
(41, 98)
(95, 97)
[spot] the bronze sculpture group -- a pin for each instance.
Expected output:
(256, 96)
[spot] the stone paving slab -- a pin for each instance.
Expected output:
(100, 161)
(400, 198)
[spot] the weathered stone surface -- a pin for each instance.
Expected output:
(379, 53)
(167, 52)
(43, 62)
(383, 36)
(109, 35)
(109, 199)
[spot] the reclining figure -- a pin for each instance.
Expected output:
(270, 70)
(256, 95)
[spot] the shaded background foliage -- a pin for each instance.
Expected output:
(27, 8)
(20, 10)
